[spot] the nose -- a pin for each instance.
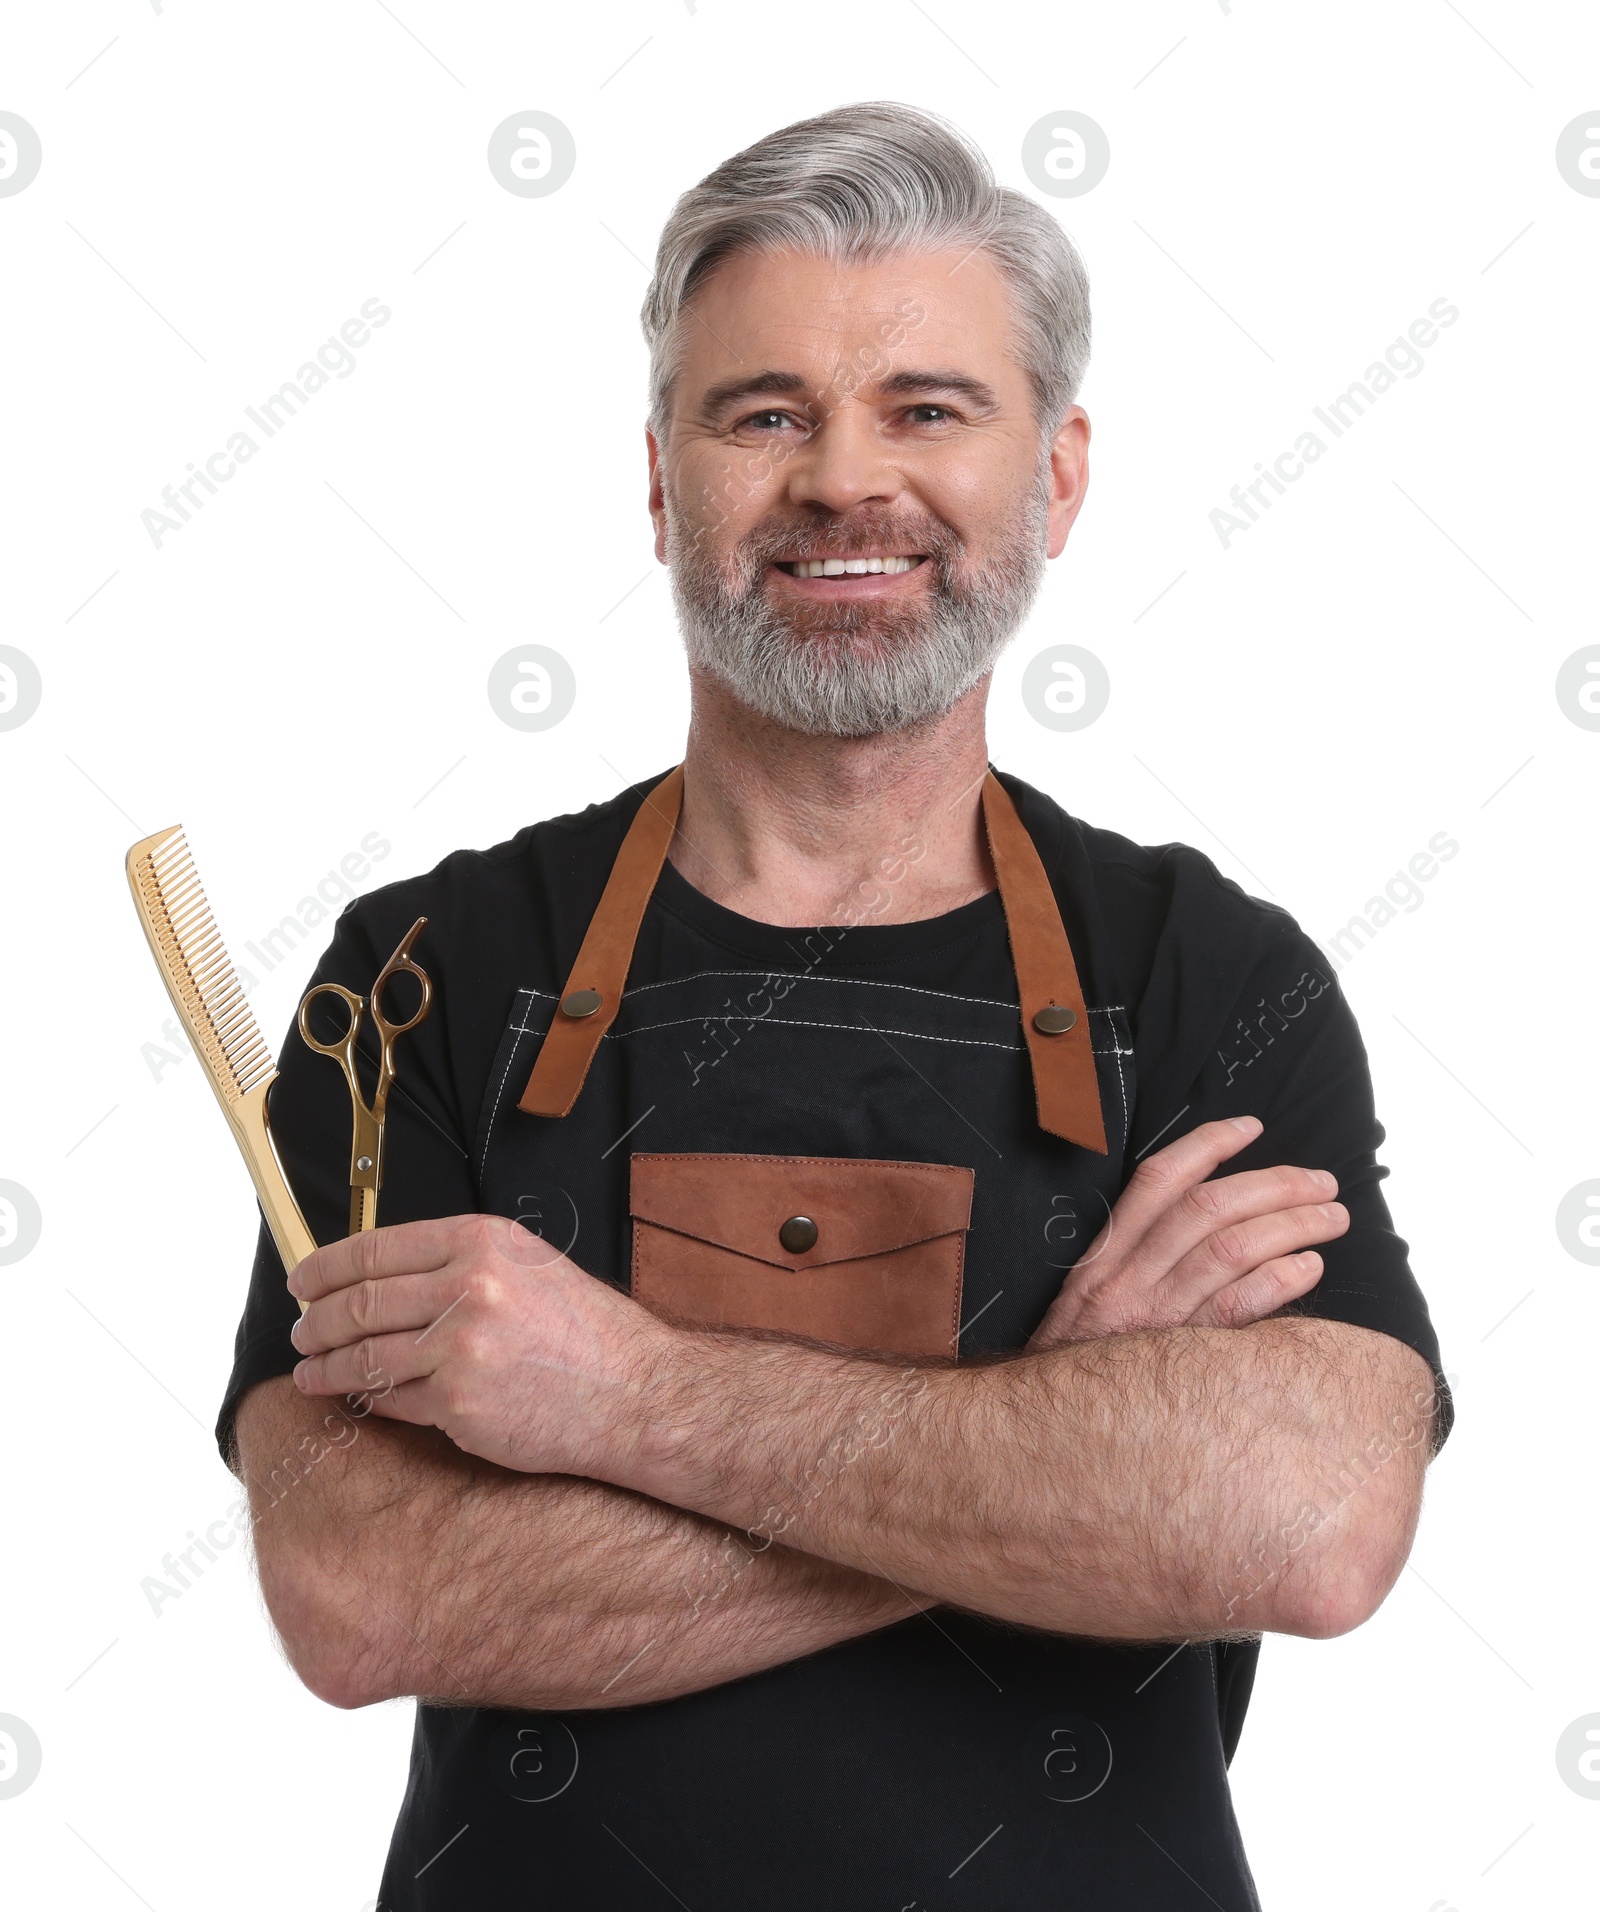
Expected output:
(843, 462)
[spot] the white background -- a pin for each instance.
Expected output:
(1372, 663)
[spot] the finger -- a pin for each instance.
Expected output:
(371, 1307)
(411, 1401)
(1262, 1292)
(1233, 1252)
(1160, 1179)
(374, 1254)
(1205, 1208)
(374, 1365)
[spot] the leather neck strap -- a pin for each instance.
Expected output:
(1055, 1022)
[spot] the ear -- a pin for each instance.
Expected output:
(1069, 476)
(658, 509)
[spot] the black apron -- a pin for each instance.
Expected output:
(864, 1774)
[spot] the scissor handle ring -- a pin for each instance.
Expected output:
(389, 1030)
(355, 1004)
(401, 960)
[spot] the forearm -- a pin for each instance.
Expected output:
(1184, 1483)
(395, 1564)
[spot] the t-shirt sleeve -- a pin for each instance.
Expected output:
(1289, 1052)
(427, 1169)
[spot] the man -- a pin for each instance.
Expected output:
(635, 1444)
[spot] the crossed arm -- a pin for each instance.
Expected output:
(555, 1500)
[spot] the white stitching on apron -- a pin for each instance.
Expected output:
(1119, 1052)
(860, 982)
(521, 1029)
(488, 1134)
(795, 1022)
(810, 976)
(791, 1022)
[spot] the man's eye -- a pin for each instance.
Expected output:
(916, 413)
(764, 421)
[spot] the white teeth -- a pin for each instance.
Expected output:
(852, 567)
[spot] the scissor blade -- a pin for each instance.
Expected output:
(363, 1210)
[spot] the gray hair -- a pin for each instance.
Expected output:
(858, 184)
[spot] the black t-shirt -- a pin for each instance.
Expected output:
(865, 1774)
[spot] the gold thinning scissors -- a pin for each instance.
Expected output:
(366, 1141)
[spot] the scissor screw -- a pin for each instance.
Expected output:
(363, 1162)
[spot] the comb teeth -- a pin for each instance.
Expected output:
(198, 967)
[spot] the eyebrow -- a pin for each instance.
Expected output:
(768, 384)
(773, 383)
(903, 384)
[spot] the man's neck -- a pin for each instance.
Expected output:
(801, 830)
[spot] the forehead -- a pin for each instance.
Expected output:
(802, 312)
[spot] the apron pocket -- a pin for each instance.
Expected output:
(863, 1254)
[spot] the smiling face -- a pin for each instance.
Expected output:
(854, 497)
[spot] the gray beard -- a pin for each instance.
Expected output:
(856, 670)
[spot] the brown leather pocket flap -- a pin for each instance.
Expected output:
(860, 1208)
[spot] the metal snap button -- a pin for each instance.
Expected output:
(798, 1234)
(1054, 1020)
(581, 1003)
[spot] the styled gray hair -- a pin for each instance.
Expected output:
(858, 184)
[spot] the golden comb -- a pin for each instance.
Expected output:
(205, 991)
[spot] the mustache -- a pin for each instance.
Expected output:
(766, 544)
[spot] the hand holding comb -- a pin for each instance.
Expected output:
(205, 991)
